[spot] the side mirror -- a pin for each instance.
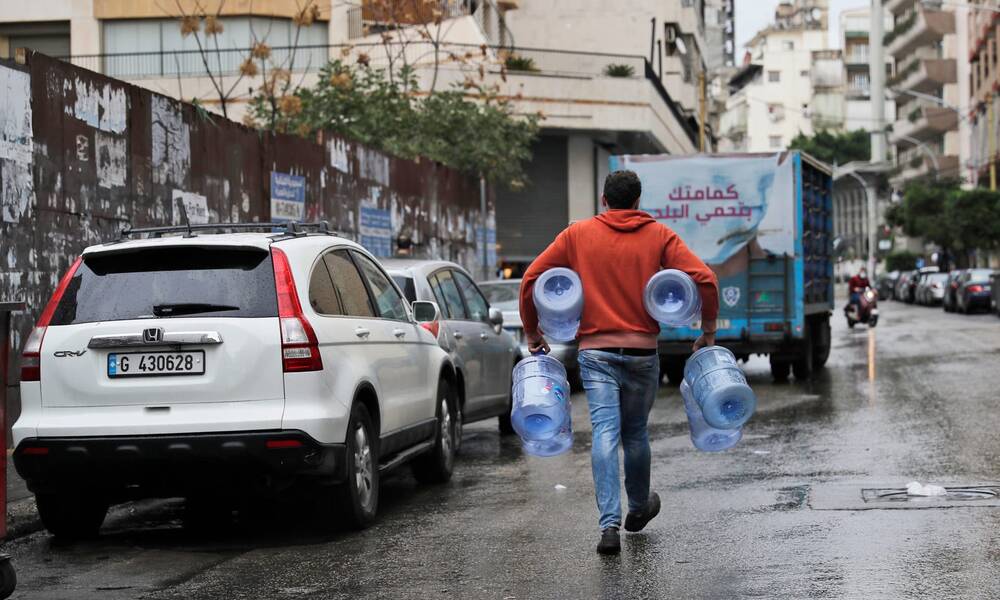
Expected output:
(496, 318)
(425, 312)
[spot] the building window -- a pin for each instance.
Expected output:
(788, 45)
(804, 73)
(774, 76)
(774, 141)
(776, 112)
(156, 48)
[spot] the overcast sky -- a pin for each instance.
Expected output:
(754, 15)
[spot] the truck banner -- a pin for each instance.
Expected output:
(719, 205)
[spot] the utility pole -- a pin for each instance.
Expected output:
(484, 221)
(992, 135)
(876, 75)
(702, 111)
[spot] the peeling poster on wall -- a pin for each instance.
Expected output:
(376, 230)
(196, 206)
(288, 197)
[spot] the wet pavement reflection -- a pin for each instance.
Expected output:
(914, 399)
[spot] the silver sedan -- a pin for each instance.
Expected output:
(470, 330)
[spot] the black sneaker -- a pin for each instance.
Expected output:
(636, 521)
(610, 542)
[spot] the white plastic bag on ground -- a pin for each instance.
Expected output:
(915, 488)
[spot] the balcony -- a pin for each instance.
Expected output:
(926, 27)
(926, 75)
(921, 166)
(858, 92)
(856, 57)
(923, 122)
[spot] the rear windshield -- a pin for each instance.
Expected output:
(406, 284)
(980, 276)
(170, 282)
(501, 295)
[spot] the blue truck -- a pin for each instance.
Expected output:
(764, 224)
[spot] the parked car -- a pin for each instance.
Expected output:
(905, 285)
(504, 294)
(950, 300)
(886, 286)
(995, 292)
(224, 365)
(470, 332)
(909, 290)
(930, 288)
(975, 290)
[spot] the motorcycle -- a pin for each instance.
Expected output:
(864, 309)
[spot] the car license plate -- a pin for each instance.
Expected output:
(145, 364)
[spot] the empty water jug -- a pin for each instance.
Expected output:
(719, 387)
(705, 437)
(672, 298)
(541, 410)
(558, 296)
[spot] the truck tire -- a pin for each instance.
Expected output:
(780, 369)
(71, 516)
(436, 466)
(802, 368)
(673, 368)
(357, 498)
(821, 343)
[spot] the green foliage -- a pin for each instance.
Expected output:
(901, 260)
(617, 70)
(952, 218)
(835, 148)
(516, 62)
(470, 127)
(915, 114)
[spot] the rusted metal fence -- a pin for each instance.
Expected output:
(82, 155)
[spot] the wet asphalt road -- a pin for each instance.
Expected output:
(746, 523)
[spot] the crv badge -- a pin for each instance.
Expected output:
(65, 353)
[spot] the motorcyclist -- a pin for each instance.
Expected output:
(856, 286)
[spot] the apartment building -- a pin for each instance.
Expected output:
(786, 65)
(855, 26)
(983, 101)
(926, 51)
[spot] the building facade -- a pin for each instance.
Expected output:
(984, 81)
(772, 95)
(855, 26)
(926, 51)
(606, 82)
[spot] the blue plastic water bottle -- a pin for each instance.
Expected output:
(558, 296)
(705, 437)
(719, 387)
(541, 410)
(672, 298)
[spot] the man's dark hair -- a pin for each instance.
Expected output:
(622, 189)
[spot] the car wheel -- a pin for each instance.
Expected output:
(71, 516)
(503, 421)
(8, 579)
(436, 466)
(780, 370)
(673, 368)
(358, 496)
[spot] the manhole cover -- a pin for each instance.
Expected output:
(954, 494)
(847, 496)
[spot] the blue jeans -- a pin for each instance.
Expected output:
(620, 394)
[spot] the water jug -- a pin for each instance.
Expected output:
(558, 296)
(672, 298)
(705, 437)
(719, 387)
(541, 409)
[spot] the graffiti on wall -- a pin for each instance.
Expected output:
(83, 155)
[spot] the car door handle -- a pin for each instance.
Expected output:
(362, 332)
(458, 335)
(483, 337)
(399, 333)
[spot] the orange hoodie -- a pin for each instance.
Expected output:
(615, 254)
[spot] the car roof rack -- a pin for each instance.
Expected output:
(284, 229)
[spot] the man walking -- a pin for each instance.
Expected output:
(615, 254)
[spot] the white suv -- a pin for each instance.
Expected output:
(228, 362)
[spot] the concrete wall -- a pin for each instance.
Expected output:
(82, 155)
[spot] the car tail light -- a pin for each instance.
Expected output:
(282, 444)
(975, 289)
(299, 346)
(31, 357)
(774, 326)
(35, 451)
